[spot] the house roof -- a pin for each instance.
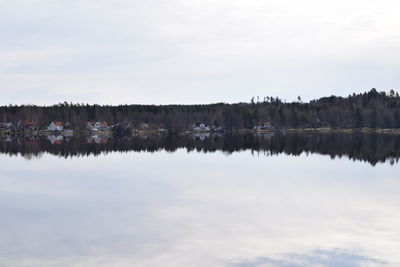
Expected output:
(30, 123)
(101, 123)
(58, 123)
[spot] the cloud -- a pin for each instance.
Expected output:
(332, 258)
(195, 51)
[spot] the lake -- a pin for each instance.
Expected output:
(200, 200)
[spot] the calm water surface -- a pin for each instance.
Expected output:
(185, 208)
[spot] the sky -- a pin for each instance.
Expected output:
(197, 51)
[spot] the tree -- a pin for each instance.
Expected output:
(397, 118)
(373, 122)
(358, 120)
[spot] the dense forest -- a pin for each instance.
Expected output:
(371, 109)
(372, 147)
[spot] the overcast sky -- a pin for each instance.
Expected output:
(195, 51)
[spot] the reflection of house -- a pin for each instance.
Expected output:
(96, 139)
(30, 142)
(265, 134)
(6, 138)
(265, 126)
(201, 136)
(200, 127)
(55, 140)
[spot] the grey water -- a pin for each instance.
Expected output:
(273, 200)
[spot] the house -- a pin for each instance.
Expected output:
(143, 126)
(217, 129)
(55, 126)
(27, 125)
(5, 126)
(67, 125)
(264, 127)
(97, 126)
(121, 127)
(200, 127)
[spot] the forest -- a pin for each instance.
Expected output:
(372, 109)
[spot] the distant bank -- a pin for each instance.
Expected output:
(369, 111)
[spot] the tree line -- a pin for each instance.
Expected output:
(371, 109)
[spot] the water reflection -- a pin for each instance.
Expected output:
(196, 209)
(372, 148)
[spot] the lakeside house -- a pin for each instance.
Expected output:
(217, 129)
(265, 126)
(98, 126)
(144, 126)
(200, 127)
(6, 126)
(55, 126)
(27, 125)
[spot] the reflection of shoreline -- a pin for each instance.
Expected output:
(368, 147)
(394, 131)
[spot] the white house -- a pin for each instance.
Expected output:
(97, 126)
(201, 127)
(55, 126)
(265, 126)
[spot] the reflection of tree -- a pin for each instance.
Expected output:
(372, 148)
